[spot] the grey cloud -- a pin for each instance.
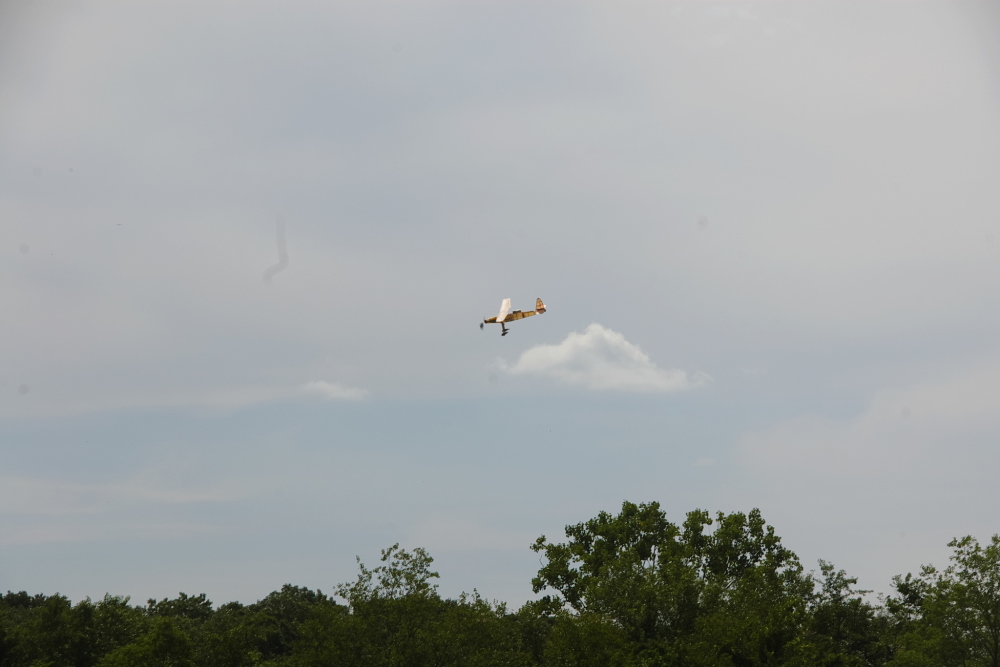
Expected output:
(846, 156)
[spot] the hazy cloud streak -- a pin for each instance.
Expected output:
(930, 429)
(334, 391)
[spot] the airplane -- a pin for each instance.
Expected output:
(507, 315)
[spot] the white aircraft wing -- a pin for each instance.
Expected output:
(504, 309)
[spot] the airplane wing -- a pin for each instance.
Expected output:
(504, 309)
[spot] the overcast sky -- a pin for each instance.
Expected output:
(245, 247)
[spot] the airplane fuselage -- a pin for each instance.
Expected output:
(511, 316)
(503, 317)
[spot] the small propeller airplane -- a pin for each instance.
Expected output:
(507, 315)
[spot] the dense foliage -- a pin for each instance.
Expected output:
(627, 590)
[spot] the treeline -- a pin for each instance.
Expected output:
(626, 590)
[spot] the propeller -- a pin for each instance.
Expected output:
(480, 326)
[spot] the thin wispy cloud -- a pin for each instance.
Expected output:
(214, 398)
(334, 391)
(61, 533)
(24, 495)
(601, 359)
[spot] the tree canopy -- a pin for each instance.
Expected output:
(629, 589)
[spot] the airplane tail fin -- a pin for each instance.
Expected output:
(539, 306)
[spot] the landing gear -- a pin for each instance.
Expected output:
(504, 331)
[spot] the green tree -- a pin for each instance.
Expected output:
(585, 640)
(117, 624)
(15, 610)
(682, 594)
(192, 607)
(951, 616)
(231, 637)
(165, 645)
(843, 629)
(390, 610)
(279, 617)
(50, 631)
(396, 618)
(402, 574)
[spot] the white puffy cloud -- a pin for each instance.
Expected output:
(600, 358)
(334, 391)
